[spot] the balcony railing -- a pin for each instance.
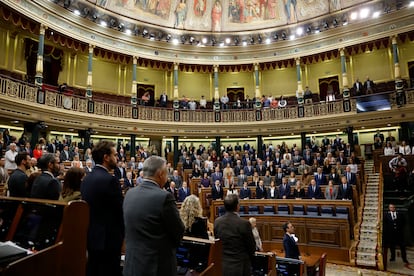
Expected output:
(28, 93)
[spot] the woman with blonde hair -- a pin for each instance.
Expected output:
(191, 214)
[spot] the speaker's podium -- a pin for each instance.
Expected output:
(199, 257)
(289, 267)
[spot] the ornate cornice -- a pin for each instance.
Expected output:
(65, 22)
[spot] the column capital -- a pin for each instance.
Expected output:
(42, 29)
(394, 39)
(256, 65)
(91, 48)
(342, 51)
(176, 65)
(134, 60)
(215, 67)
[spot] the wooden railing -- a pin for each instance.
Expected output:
(380, 253)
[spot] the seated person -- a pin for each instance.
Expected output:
(299, 191)
(314, 191)
(261, 192)
(272, 192)
(331, 192)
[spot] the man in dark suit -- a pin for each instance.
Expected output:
(177, 179)
(217, 175)
(120, 171)
(260, 168)
(369, 86)
(237, 239)
(350, 176)
(261, 191)
(102, 191)
(183, 192)
(320, 177)
(241, 178)
(358, 88)
(173, 190)
(279, 176)
(153, 226)
(284, 189)
(217, 191)
(314, 191)
(46, 186)
(163, 99)
(289, 242)
(65, 154)
(345, 189)
(245, 192)
(393, 232)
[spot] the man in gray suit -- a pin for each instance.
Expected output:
(237, 239)
(153, 228)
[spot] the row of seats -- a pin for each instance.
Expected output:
(297, 210)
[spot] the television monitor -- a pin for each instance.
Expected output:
(373, 102)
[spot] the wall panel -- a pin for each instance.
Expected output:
(279, 82)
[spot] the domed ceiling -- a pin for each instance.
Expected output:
(223, 15)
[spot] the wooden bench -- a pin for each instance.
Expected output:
(317, 234)
(60, 238)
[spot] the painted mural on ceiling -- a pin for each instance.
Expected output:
(223, 15)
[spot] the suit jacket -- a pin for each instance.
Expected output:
(177, 180)
(174, 192)
(334, 178)
(275, 193)
(278, 179)
(290, 247)
(245, 193)
(328, 193)
(393, 229)
(248, 170)
(358, 88)
(153, 231)
(102, 192)
(352, 179)
(182, 194)
(345, 194)
(261, 170)
(284, 191)
(299, 194)
(314, 194)
(238, 244)
(241, 179)
(46, 186)
(261, 192)
(117, 172)
(320, 180)
(63, 156)
(216, 176)
(217, 194)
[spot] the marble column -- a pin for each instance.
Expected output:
(258, 103)
(260, 152)
(217, 147)
(399, 84)
(216, 88)
(132, 150)
(176, 103)
(134, 84)
(40, 52)
(89, 78)
(345, 83)
(176, 151)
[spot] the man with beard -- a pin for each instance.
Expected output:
(102, 191)
(46, 186)
(17, 181)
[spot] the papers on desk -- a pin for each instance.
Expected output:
(10, 252)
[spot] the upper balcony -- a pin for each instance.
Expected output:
(24, 102)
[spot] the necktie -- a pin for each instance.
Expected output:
(344, 187)
(330, 192)
(313, 188)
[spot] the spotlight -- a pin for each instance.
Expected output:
(191, 39)
(244, 43)
(213, 41)
(152, 36)
(252, 40)
(136, 30)
(325, 25)
(103, 23)
(275, 36)
(259, 39)
(112, 22)
(85, 11)
(284, 35)
(376, 14)
(66, 3)
(299, 31)
(308, 30)
(364, 13)
(236, 41)
(268, 40)
(227, 40)
(204, 40)
(128, 31)
(335, 23)
(175, 41)
(121, 26)
(77, 12)
(94, 17)
(183, 39)
(168, 37)
(317, 30)
(354, 15)
(144, 32)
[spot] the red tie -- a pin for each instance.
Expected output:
(330, 191)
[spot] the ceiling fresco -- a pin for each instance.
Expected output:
(223, 15)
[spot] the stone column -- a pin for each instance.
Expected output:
(345, 83)
(260, 152)
(399, 84)
(303, 140)
(258, 103)
(218, 144)
(299, 90)
(216, 88)
(89, 78)
(175, 149)
(176, 102)
(40, 52)
(132, 150)
(134, 85)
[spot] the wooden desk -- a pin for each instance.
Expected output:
(311, 261)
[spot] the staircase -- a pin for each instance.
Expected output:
(366, 252)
